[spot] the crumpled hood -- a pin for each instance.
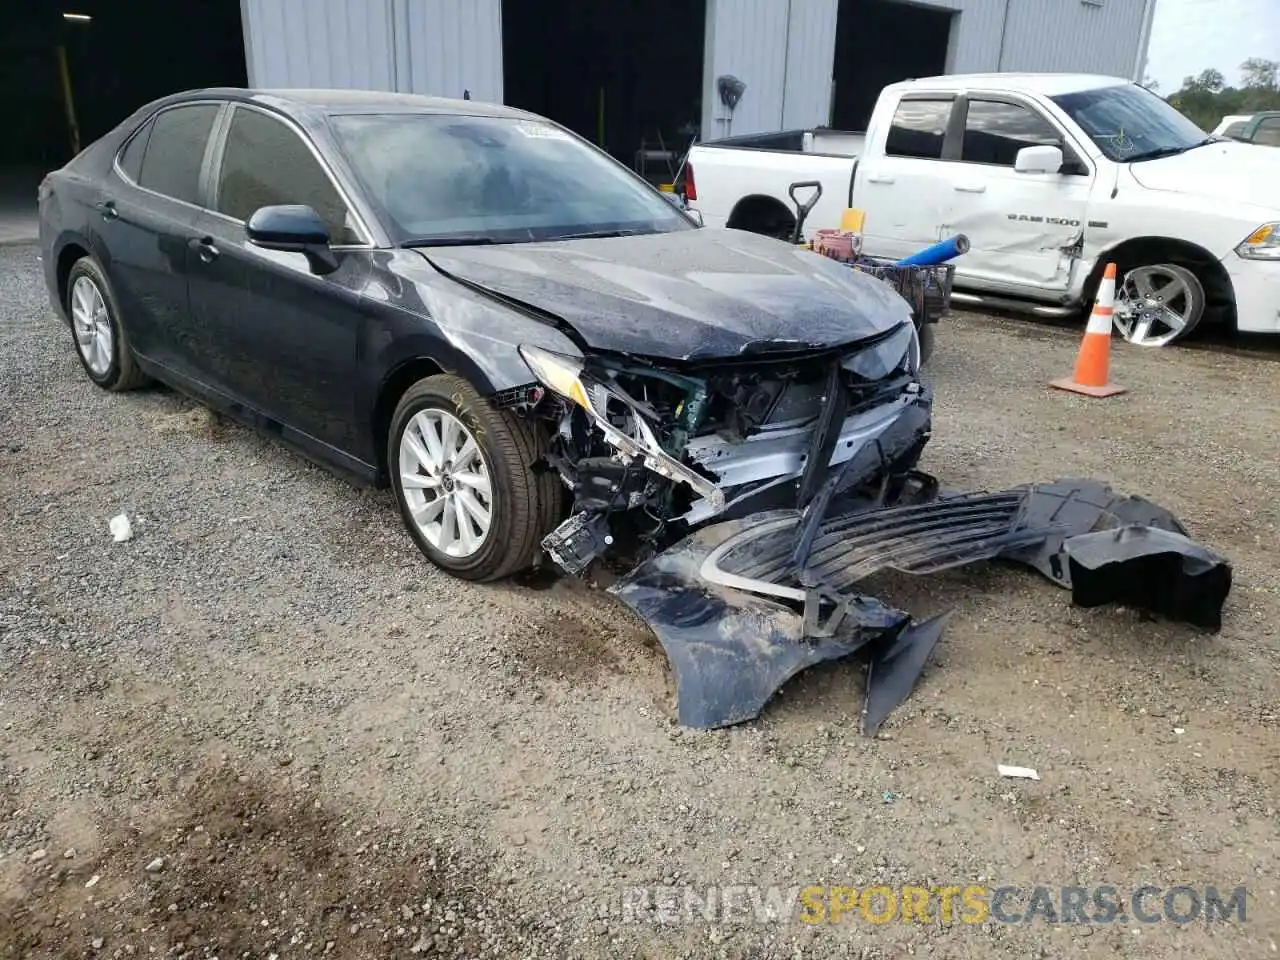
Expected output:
(690, 295)
(1230, 171)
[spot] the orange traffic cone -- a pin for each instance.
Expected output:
(1092, 362)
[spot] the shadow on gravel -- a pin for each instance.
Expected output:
(249, 870)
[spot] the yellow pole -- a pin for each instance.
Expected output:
(68, 100)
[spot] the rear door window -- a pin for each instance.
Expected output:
(131, 158)
(266, 163)
(175, 151)
(919, 127)
(994, 132)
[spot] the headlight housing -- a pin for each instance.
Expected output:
(1262, 244)
(558, 372)
(565, 376)
(900, 348)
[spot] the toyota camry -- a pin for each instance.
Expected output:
(535, 349)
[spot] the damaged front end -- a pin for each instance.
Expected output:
(650, 451)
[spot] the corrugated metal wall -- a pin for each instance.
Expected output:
(782, 50)
(318, 43)
(1074, 36)
(1071, 36)
(454, 46)
(438, 47)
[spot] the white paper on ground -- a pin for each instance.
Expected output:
(121, 528)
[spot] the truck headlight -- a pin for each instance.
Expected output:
(1262, 244)
(558, 372)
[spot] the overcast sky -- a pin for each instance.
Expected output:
(1188, 36)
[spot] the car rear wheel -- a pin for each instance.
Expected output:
(1158, 303)
(101, 342)
(465, 480)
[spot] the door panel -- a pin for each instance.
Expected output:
(902, 189)
(272, 335)
(144, 216)
(1023, 228)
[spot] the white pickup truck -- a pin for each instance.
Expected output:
(1050, 176)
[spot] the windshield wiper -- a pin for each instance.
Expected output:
(595, 235)
(1169, 151)
(465, 240)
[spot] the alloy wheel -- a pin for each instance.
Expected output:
(92, 326)
(1158, 304)
(445, 483)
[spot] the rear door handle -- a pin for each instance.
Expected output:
(879, 179)
(205, 249)
(108, 209)
(977, 188)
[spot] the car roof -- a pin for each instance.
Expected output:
(307, 100)
(1046, 84)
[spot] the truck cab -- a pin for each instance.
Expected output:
(1050, 177)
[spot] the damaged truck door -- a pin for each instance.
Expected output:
(1020, 191)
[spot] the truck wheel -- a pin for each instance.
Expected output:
(1158, 303)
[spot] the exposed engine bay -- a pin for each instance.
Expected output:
(650, 451)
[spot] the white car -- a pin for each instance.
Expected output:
(1050, 176)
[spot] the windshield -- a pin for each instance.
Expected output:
(466, 179)
(1129, 122)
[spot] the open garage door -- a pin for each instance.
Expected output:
(117, 56)
(626, 74)
(879, 42)
(71, 71)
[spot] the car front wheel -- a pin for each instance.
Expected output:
(465, 480)
(101, 342)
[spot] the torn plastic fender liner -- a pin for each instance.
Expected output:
(1153, 569)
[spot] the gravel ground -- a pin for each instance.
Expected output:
(266, 727)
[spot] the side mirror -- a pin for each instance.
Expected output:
(1043, 159)
(695, 216)
(293, 228)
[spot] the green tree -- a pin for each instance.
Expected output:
(1206, 98)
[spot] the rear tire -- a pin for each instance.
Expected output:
(94, 317)
(496, 474)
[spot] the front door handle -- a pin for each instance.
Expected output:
(977, 188)
(879, 179)
(205, 249)
(108, 209)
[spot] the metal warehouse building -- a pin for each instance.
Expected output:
(633, 75)
(626, 72)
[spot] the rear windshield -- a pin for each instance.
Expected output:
(505, 180)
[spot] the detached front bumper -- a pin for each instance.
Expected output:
(742, 606)
(1256, 286)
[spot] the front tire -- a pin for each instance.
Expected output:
(1158, 304)
(101, 343)
(466, 482)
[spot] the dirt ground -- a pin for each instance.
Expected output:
(265, 727)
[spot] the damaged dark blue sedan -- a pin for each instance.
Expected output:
(530, 344)
(543, 357)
